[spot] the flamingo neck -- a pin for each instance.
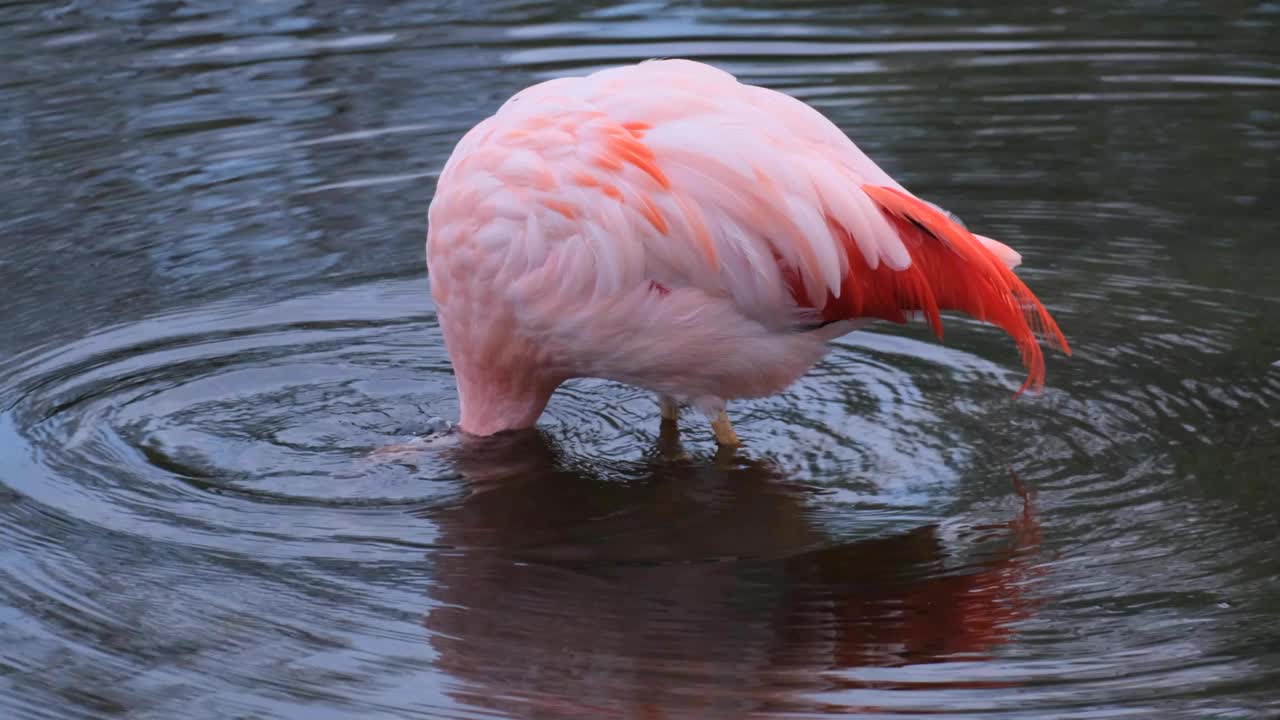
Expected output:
(494, 401)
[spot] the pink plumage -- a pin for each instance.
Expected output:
(666, 226)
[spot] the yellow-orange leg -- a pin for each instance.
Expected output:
(724, 430)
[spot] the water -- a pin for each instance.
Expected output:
(215, 310)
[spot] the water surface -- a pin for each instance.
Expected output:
(215, 310)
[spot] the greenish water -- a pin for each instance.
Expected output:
(215, 307)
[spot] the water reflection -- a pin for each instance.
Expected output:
(703, 587)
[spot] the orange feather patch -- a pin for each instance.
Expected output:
(627, 149)
(650, 212)
(561, 207)
(588, 180)
(608, 162)
(636, 128)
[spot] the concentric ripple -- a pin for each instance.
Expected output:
(226, 425)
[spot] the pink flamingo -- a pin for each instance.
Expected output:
(666, 226)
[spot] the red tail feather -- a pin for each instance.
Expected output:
(950, 270)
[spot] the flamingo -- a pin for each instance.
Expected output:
(666, 226)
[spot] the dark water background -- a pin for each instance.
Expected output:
(213, 308)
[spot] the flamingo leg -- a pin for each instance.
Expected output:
(669, 407)
(723, 429)
(668, 445)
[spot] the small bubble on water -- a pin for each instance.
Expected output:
(438, 426)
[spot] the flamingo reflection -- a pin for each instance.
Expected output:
(683, 587)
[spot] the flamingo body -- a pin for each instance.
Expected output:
(666, 226)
